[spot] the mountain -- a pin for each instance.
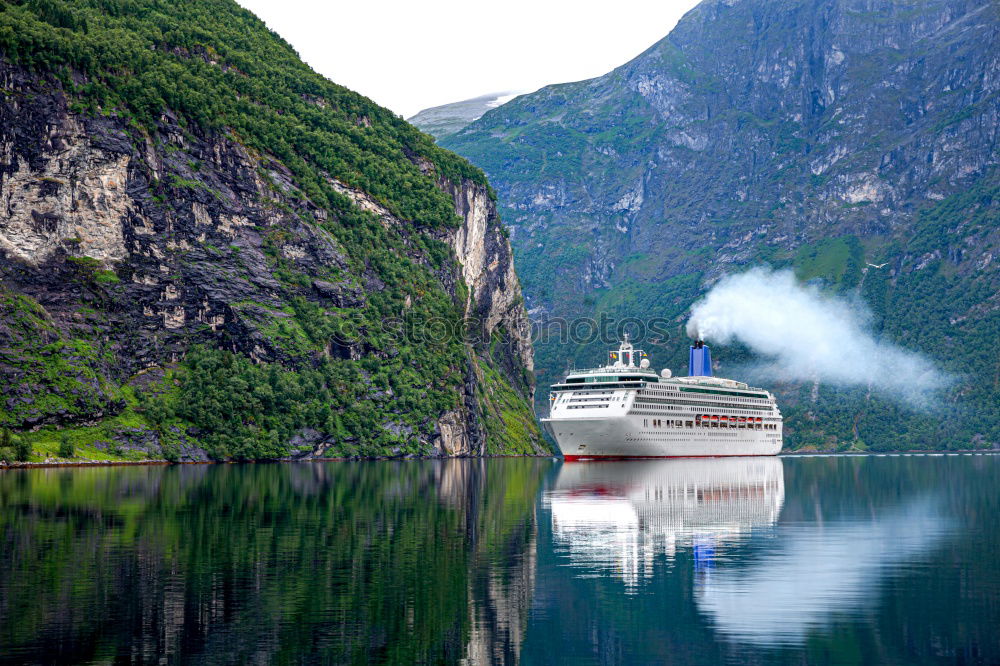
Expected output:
(443, 121)
(820, 135)
(209, 250)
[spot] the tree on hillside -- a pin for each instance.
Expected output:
(66, 448)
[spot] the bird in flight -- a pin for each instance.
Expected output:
(877, 265)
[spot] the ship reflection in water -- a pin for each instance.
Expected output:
(617, 516)
(756, 580)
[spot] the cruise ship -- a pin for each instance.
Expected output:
(626, 410)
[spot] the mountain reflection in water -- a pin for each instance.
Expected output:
(504, 561)
(366, 562)
(769, 560)
(616, 517)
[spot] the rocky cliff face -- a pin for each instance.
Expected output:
(122, 249)
(823, 135)
(493, 308)
(481, 244)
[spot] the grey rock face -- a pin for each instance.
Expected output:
(186, 241)
(773, 118)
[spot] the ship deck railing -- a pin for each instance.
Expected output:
(644, 371)
(651, 373)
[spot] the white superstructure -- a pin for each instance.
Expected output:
(625, 410)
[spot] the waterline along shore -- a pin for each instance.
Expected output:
(161, 462)
(152, 462)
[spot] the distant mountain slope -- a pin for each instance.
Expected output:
(443, 121)
(821, 135)
(206, 247)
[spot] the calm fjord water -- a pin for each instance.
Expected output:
(890, 559)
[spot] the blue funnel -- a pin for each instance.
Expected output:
(700, 360)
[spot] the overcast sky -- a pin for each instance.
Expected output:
(410, 55)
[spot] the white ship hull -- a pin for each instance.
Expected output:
(625, 437)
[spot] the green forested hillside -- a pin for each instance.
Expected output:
(240, 303)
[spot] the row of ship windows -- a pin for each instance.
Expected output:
(698, 403)
(589, 402)
(654, 409)
(642, 399)
(590, 396)
(679, 423)
(752, 401)
(659, 404)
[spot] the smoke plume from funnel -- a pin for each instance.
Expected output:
(802, 334)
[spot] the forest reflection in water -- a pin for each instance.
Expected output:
(340, 562)
(842, 559)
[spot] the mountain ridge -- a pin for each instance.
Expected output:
(445, 119)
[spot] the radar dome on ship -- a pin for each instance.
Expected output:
(644, 363)
(665, 373)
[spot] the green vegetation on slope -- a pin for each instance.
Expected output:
(343, 375)
(57, 375)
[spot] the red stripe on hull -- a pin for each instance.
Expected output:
(603, 458)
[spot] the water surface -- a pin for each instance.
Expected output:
(763, 560)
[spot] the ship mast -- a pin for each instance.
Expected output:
(624, 357)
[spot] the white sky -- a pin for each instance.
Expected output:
(408, 56)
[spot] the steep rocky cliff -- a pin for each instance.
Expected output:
(306, 275)
(834, 137)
